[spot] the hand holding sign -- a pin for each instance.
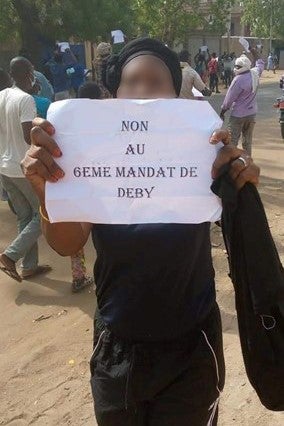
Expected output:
(39, 164)
(245, 44)
(63, 46)
(136, 162)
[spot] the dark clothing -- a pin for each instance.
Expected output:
(155, 282)
(77, 78)
(99, 64)
(258, 278)
(213, 83)
(61, 82)
(138, 47)
(175, 383)
(227, 77)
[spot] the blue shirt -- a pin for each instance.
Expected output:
(42, 105)
(61, 81)
(77, 78)
(46, 90)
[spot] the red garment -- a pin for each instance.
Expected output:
(213, 66)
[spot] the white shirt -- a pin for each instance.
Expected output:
(118, 36)
(16, 107)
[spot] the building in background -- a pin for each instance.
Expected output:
(227, 40)
(237, 28)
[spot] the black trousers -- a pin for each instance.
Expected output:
(227, 77)
(176, 383)
(213, 82)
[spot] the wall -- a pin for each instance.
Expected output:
(281, 61)
(220, 44)
(196, 41)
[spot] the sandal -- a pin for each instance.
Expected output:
(40, 269)
(80, 284)
(11, 272)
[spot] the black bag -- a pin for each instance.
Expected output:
(258, 278)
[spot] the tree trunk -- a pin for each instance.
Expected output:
(29, 29)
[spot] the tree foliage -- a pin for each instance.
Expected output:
(168, 20)
(57, 19)
(33, 21)
(173, 20)
(259, 14)
(8, 21)
(219, 11)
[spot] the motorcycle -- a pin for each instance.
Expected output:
(280, 105)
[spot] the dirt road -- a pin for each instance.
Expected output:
(46, 332)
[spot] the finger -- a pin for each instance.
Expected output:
(250, 174)
(47, 160)
(225, 156)
(238, 166)
(220, 135)
(44, 125)
(34, 167)
(40, 138)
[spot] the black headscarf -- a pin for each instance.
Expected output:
(138, 47)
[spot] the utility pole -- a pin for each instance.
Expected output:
(229, 24)
(271, 25)
(269, 6)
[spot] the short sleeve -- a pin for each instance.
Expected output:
(27, 109)
(197, 82)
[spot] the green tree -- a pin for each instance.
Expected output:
(265, 17)
(8, 21)
(32, 21)
(99, 17)
(219, 12)
(168, 20)
(173, 20)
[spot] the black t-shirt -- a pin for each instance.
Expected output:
(154, 281)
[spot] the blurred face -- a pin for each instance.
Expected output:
(30, 76)
(236, 69)
(146, 77)
(35, 87)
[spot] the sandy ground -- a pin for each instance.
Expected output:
(46, 332)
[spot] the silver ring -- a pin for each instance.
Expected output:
(243, 160)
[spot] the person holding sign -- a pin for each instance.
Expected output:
(158, 357)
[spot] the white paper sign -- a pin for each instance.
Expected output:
(118, 36)
(196, 93)
(244, 43)
(129, 161)
(64, 45)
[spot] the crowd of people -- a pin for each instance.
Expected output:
(240, 76)
(65, 77)
(152, 352)
(25, 94)
(212, 68)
